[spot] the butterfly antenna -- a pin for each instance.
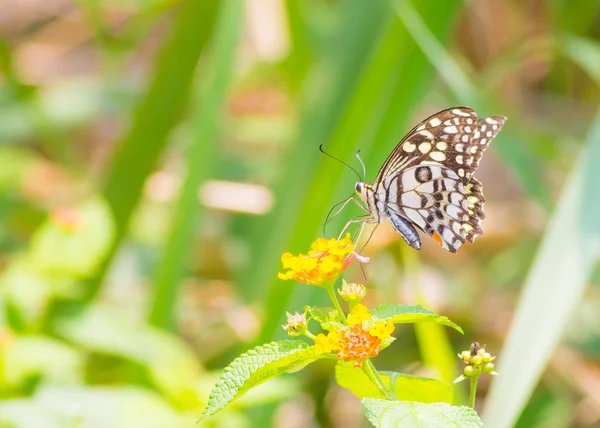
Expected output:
(362, 163)
(341, 161)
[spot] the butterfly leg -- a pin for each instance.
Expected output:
(344, 203)
(368, 239)
(359, 219)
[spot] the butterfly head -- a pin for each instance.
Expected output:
(365, 193)
(362, 189)
(358, 187)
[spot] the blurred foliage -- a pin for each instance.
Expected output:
(157, 157)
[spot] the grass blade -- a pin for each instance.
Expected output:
(555, 285)
(200, 163)
(157, 113)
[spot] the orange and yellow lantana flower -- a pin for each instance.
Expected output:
(356, 342)
(324, 262)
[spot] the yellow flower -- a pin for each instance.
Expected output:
(357, 344)
(322, 342)
(354, 342)
(382, 330)
(328, 343)
(359, 314)
(325, 261)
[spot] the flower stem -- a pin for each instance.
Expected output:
(309, 335)
(374, 377)
(472, 391)
(334, 299)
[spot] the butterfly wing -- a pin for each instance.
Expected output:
(453, 137)
(428, 177)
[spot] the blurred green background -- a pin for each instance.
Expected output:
(158, 156)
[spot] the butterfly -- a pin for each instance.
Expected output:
(427, 181)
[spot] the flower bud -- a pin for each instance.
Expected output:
(296, 324)
(469, 371)
(352, 292)
(488, 368)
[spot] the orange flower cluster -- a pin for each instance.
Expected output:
(325, 261)
(355, 342)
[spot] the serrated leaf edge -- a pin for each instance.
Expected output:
(228, 393)
(417, 310)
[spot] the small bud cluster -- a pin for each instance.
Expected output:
(477, 361)
(296, 324)
(352, 293)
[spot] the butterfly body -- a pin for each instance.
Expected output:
(427, 181)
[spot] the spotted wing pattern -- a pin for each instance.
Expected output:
(428, 178)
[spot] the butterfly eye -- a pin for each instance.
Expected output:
(358, 187)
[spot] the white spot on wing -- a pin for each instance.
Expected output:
(435, 122)
(415, 217)
(438, 156)
(441, 146)
(425, 187)
(457, 228)
(424, 147)
(447, 235)
(453, 211)
(410, 199)
(409, 147)
(460, 112)
(455, 198)
(450, 130)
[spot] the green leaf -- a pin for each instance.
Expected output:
(56, 249)
(95, 406)
(257, 366)
(170, 363)
(407, 414)
(421, 389)
(403, 314)
(328, 318)
(54, 361)
(405, 387)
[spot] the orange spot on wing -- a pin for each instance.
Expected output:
(438, 238)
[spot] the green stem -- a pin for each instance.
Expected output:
(373, 375)
(309, 335)
(473, 391)
(336, 303)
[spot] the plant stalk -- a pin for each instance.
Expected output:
(336, 303)
(473, 391)
(373, 375)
